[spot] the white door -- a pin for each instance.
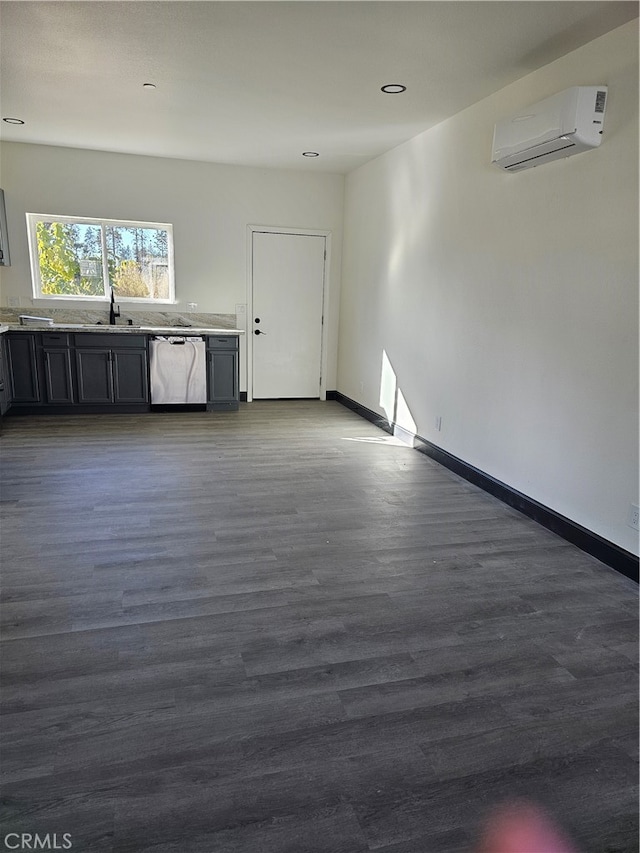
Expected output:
(286, 326)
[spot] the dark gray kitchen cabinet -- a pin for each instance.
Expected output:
(57, 369)
(95, 376)
(130, 376)
(112, 369)
(22, 365)
(5, 400)
(222, 373)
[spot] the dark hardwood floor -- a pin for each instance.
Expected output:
(277, 631)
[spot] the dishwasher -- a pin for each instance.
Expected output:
(178, 370)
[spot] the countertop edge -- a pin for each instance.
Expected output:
(178, 331)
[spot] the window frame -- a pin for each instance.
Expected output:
(36, 282)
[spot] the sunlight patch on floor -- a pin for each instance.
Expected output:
(392, 440)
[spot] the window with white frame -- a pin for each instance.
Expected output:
(83, 258)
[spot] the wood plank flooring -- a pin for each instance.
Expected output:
(278, 631)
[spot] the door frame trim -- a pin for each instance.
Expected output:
(305, 232)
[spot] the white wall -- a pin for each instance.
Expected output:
(209, 205)
(507, 304)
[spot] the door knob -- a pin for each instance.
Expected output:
(259, 332)
(257, 320)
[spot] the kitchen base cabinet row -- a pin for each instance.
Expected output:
(50, 369)
(98, 372)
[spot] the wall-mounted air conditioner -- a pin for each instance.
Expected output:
(564, 124)
(5, 260)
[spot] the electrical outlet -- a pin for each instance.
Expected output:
(192, 306)
(241, 308)
(634, 517)
(438, 422)
(13, 301)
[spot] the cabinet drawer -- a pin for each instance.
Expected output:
(222, 342)
(110, 341)
(55, 339)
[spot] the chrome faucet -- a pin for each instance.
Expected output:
(113, 313)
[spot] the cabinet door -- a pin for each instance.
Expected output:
(57, 375)
(131, 376)
(4, 381)
(95, 379)
(222, 376)
(23, 369)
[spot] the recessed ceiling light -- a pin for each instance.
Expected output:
(148, 85)
(310, 154)
(10, 120)
(393, 88)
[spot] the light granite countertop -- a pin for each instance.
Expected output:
(149, 330)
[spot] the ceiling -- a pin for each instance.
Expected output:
(258, 83)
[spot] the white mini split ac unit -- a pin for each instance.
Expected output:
(564, 124)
